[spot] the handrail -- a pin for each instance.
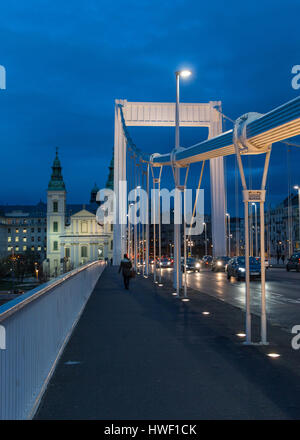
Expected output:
(16, 304)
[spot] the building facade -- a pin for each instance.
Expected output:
(63, 236)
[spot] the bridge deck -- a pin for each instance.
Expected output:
(142, 354)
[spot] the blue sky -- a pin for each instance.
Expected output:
(67, 61)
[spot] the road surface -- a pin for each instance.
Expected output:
(282, 292)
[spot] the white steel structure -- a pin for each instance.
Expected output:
(154, 114)
(253, 134)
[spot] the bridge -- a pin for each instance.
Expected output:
(63, 342)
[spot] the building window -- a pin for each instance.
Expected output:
(9, 248)
(17, 230)
(55, 245)
(67, 252)
(83, 251)
(8, 230)
(39, 238)
(32, 248)
(17, 248)
(24, 248)
(32, 229)
(24, 230)
(9, 239)
(24, 239)
(39, 248)
(55, 226)
(84, 227)
(32, 238)
(39, 229)
(111, 245)
(55, 206)
(17, 239)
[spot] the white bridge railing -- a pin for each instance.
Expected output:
(34, 331)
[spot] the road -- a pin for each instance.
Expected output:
(282, 292)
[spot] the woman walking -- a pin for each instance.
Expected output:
(126, 266)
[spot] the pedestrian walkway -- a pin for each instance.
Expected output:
(143, 354)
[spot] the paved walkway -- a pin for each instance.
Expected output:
(142, 354)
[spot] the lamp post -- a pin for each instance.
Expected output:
(205, 237)
(298, 188)
(229, 241)
(177, 243)
(256, 242)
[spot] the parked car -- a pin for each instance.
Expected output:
(191, 264)
(219, 263)
(294, 262)
(236, 268)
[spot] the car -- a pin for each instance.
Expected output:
(294, 262)
(192, 264)
(219, 263)
(236, 268)
(206, 260)
(165, 263)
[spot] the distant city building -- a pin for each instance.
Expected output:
(283, 227)
(64, 235)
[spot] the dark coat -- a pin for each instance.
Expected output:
(125, 266)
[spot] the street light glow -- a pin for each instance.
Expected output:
(185, 73)
(296, 187)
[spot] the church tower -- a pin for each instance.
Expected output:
(56, 211)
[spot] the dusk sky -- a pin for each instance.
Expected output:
(66, 63)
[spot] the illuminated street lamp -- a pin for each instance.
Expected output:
(184, 73)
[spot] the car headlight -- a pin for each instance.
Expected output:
(169, 263)
(219, 263)
(197, 264)
(241, 269)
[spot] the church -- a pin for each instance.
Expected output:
(74, 237)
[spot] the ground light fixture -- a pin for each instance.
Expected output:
(205, 313)
(174, 293)
(241, 335)
(185, 299)
(273, 355)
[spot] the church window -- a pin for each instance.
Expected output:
(55, 226)
(83, 251)
(55, 245)
(55, 206)
(67, 252)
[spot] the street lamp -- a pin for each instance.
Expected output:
(229, 241)
(298, 188)
(184, 73)
(256, 250)
(205, 238)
